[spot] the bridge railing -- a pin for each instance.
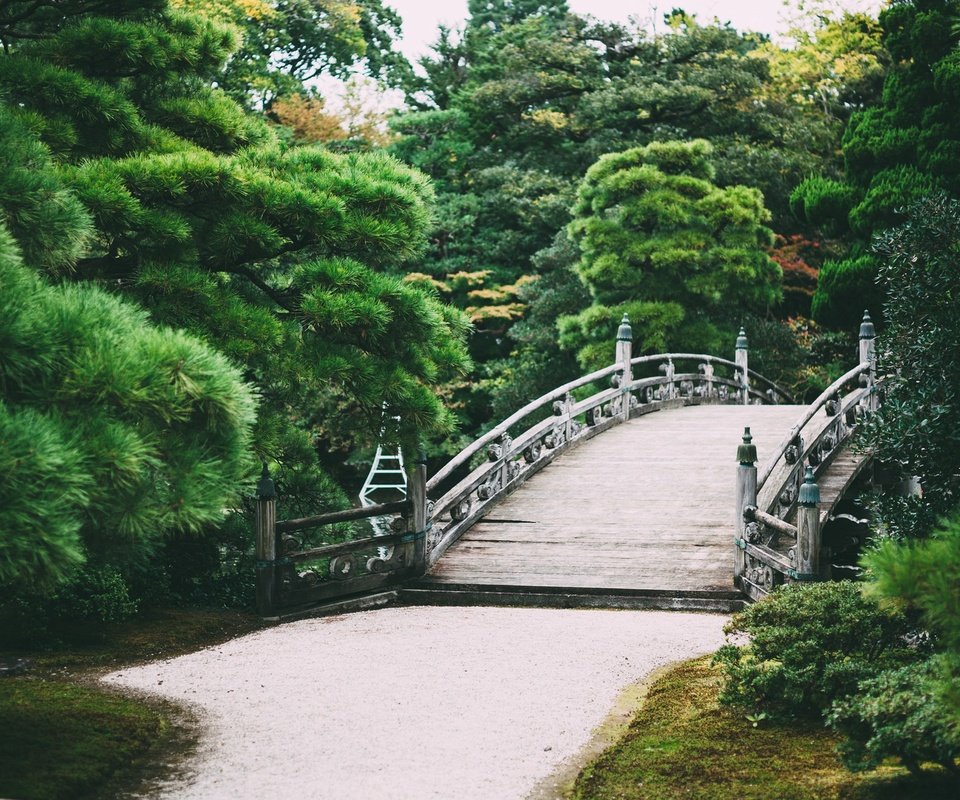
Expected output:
(525, 442)
(296, 567)
(314, 559)
(785, 487)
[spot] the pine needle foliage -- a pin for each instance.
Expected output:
(116, 433)
(661, 242)
(276, 255)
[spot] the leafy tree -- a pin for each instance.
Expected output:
(654, 229)
(895, 152)
(511, 116)
(918, 426)
(277, 256)
(495, 15)
(288, 43)
(922, 576)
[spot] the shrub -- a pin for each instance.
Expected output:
(810, 644)
(93, 595)
(897, 713)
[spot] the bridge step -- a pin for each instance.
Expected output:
(561, 597)
(341, 606)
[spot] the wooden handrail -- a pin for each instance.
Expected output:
(347, 515)
(811, 411)
(713, 360)
(754, 514)
(495, 433)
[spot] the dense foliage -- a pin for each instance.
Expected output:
(895, 152)
(897, 714)
(810, 644)
(662, 243)
(275, 255)
(917, 429)
(515, 110)
(127, 170)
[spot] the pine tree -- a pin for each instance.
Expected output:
(898, 151)
(662, 243)
(276, 256)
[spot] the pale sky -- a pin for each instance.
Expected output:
(421, 17)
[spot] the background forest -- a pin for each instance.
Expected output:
(204, 266)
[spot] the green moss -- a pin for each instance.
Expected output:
(683, 744)
(69, 740)
(61, 740)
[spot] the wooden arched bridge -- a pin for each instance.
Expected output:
(638, 485)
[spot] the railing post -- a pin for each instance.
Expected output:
(266, 531)
(419, 519)
(808, 529)
(742, 361)
(746, 495)
(623, 355)
(868, 355)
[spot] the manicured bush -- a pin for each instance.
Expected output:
(810, 644)
(898, 713)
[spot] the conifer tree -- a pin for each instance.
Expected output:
(662, 243)
(275, 255)
(116, 433)
(895, 153)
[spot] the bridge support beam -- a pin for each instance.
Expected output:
(808, 530)
(623, 355)
(868, 355)
(419, 520)
(741, 359)
(746, 495)
(266, 531)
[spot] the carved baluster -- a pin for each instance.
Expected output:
(624, 353)
(746, 495)
(668, 370)
(808, 529)
(266, 533)
(707, 370)
(742, 361)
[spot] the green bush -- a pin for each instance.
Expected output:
(809, 645)
(96, 595)
(898, 713)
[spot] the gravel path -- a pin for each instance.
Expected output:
(411, 703)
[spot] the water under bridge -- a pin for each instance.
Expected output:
(634, 486)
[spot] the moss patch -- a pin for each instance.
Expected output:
(61, 736)
(684, 746)
(61, 740)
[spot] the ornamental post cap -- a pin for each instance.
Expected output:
(266, 489)
(809, 491)
(625, 332)
(742, 339)
(747, 451)
(867, 330)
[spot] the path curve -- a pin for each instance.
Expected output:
(411, 703)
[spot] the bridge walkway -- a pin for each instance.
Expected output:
(642, 513)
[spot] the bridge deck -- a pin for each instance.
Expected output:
(647, 506)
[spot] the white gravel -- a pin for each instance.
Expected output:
(411, 703)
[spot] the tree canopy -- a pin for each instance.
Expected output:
(895, 152)
(661, 242)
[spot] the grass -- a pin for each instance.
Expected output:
(61, 740)
(62, 736)
(683, 745)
